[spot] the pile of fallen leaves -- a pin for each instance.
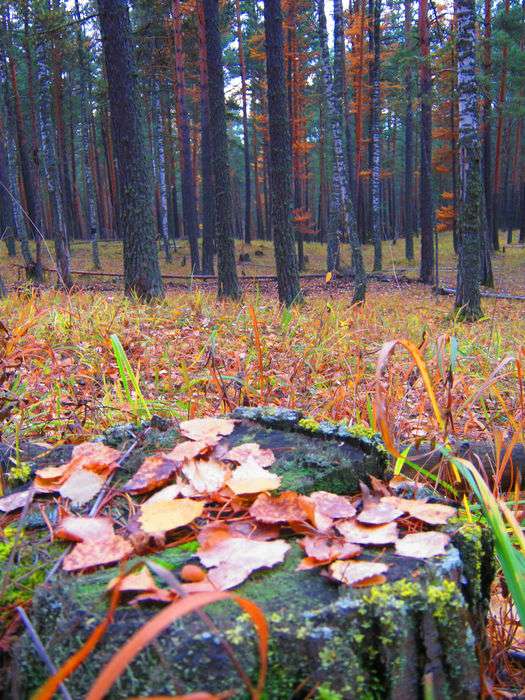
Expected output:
(221, 496)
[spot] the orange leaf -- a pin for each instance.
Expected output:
(154, 472)
(84, 555)
(285, 508)
(209, 430)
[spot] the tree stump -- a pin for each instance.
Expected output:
(417, 632)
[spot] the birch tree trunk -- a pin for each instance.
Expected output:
(161, 174)
(341, 196)
(468, 298)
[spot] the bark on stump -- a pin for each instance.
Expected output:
(327, 641)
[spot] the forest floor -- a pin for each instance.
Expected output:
(196, 356)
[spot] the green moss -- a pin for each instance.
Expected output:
(309, 425)
(442, 597)
(19, 473)
(325, 693)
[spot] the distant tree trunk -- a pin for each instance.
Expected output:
(375, 120)
(425, 180)
(487, 124)
(341, 196)
(246, 137)
(340, 85)
(141, 264)
(207, 191)
(322, 223)
(280, 153)
(7, 218)
(468, 298)
(50, 164)
(409, 138)
(228, 285)
(189, 200)
(161, 168)
(84, 79)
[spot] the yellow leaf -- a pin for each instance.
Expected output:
(168, 515)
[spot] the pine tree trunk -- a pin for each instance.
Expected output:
(161, 175)
(189, 200)
(409, 139)
(7, 219)
(425, 187)
(341, 196)
(84, 80)
(228, 285)
(468, 298)
(375, 122)
(207, 191)
(246, 137)
(280, 152)
(141, 264)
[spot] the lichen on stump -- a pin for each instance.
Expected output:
(421, 629)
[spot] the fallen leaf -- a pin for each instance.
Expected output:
(168, 493)
(330, 548)
(188, 450)
(154, 472)
(169, 515)
(141, 580)
(205, 475)
(422, 545)
(95, 457)
(14, 501)
(353, 572)
(308, 563)
(209, 430)
(235, 558)
(85, 555)
(83, 529)
(378, 512)
(251, 478)
(251, 450)
(430, 513)
(353, 531)
(376, 580)
(332, 505)
(285, 508)
(81, 486)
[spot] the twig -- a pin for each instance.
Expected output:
(40, 649)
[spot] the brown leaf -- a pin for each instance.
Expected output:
(378, 512)
(206, 475)
(81, 486)
(353, 572)
(85, 555)
(89, 456)
(169, 515)
(209, 430)
(332, 506)
(422, 545)
(84, 529)
(188, 450)
(430, 513)
(284, 508)
(140, 580)
(251, 478)
(235, 558)
(154, 472)
(308, 563)
(251, 450)
(330, 548)
(14, 501)
(368, 534)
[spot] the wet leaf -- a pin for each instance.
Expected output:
(235, 558)
(206, 475)
(251, 478)
(209, 430)
(81, 486)
(83, 529)
(354, 572)
(353, 531)
(169, 515)
(422, 545)
(330, 548)
(430, 513)
(251, 450)
(14, 501)
(154, 472)
(285, 508)
(141, 580)
(85, 555)
(332, 506)
(378, 512)
(188, 450)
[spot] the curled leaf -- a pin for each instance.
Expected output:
(423, 545)
(81, 486)
(357, 572)
(154, 472)
(353, 531)
(251, 478)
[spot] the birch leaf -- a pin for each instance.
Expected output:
(423, 545)
(169, 515)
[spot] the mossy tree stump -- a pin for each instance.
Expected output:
(419, 631)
